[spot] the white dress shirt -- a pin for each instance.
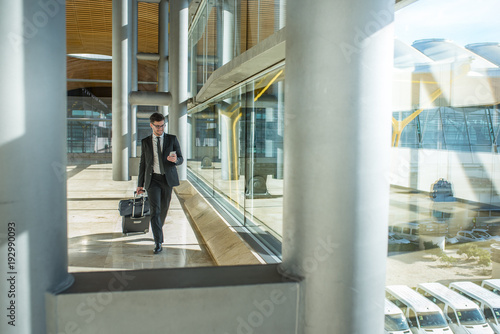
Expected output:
(156, 165)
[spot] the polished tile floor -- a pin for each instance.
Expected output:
(95, 240)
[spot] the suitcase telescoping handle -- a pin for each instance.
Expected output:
(141, 196)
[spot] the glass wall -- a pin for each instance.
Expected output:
(465, 129)
(444, 204)
(89, 123)
(224, 29)
(237, 149)
(445, 167)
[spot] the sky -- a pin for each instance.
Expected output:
(461, 21)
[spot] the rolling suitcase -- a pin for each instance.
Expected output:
(135, 218)
(132, 225)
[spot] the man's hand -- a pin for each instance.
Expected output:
(172, 157)
(139, 190)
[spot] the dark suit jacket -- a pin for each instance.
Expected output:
(170, 143)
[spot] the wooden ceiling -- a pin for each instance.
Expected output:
(89, 27)
(88, 30)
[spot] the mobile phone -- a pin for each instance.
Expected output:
(172, 154)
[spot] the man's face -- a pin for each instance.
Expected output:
(157, 127)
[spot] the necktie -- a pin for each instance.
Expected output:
(160, 160)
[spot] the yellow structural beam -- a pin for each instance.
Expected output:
(268, 85)
(399, 126)
(233, 112)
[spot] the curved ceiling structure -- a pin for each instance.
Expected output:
(88, 31)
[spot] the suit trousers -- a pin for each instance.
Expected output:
(159, 193)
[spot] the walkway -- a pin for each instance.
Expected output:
(95, 241)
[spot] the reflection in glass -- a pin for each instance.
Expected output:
(89, 122)
(470, 317)
(238, 151)
(395, 322)
(445, 118)
(431, 320)
(445, 121)
(224, 29)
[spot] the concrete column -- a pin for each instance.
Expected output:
(189, 153)
(225, 48)
(192, 138)
(193, 88)
(144, 98)
(177, 116)
(229, 113)
(238, 10)
(228, 151)
(134, 75)
(280, 15)
(225, 147)
(121, 87)
(270, 141)
(281, 21)
(163, 51)
(225, 31)
(184, 141)
(280, 131)
(33, 230)
(337, 140)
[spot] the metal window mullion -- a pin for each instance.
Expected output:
(442, 128)
(498, 132)
(424, 126)
(467, 130)
(490, 127)
(419, 131)
(251, 138)
(205, 47)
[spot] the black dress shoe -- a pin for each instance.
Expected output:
(158, 248)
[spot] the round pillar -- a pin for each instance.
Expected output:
(177, 116)
(337, 143)
(122, 32)
(33, 228)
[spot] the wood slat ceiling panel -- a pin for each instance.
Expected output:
(148, 27)
(148, 70)
(88, 26)
(88, 69)
(259, 22)
(89, 30)
(267, 19)
(75, 85)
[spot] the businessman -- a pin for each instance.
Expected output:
(161, 153)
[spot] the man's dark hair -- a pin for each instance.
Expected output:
(156, 117)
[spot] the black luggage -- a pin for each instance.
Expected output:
(135, 207)
(132, 225)
(135, 214)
